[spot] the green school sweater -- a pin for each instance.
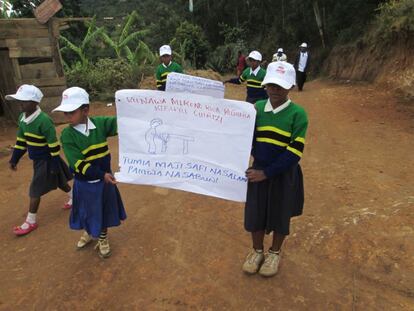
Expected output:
(279, 138)
(162, 73)
(38, 138)
(89, 156)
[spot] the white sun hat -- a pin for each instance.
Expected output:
(255, 55)
(280, 73)
(280, 50)
(303, 45)
(72, 99)
(165, 50)
(27, 92)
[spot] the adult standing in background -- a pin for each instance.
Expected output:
(241, 63)
(301, 65)
(279, 56)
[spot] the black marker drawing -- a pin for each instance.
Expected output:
(152, 136)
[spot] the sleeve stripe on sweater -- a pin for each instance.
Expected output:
(54, 149)
(297, 146)
(20, 144)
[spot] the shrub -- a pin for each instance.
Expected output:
(104, 77)
(224, 57)
(395, 18)
(193, 43)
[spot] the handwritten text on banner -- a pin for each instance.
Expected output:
(185, 141)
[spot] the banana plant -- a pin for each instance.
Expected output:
(4, 8)
(121, 43)
(141, 55)
(92, 33)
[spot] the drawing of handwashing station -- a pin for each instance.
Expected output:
(152, 136)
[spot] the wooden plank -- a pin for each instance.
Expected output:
(23, 33)
(53, 91)
(28, 42)
(38, 71)
(7, 84)
(50, 103)
(46, 10)
(21, 23)
(22, 28)
(3, 43)
(59, 81)
(45, 51)
(16, 68)
(54, 34)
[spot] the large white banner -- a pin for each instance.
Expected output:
(178, 82)
(185, 141)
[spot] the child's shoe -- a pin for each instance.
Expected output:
(253, 261)
(84, 240)
(271, 264)
(103, 248)
(24, 229)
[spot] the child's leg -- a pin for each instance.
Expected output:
(103, 244)
(69, 203)
(34, 205)
(277, 241)
(104, 234)
(256, 256)
(30, 222)
(258, 238)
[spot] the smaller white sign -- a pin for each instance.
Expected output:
(178, 82)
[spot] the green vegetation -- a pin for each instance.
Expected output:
(129, 33)
(395, 19)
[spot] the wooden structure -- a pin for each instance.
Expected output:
(29, 54)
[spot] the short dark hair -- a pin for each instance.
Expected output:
(84, 106)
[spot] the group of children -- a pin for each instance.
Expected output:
(275, 183)
(96, 204)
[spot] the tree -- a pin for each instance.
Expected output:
(121, 43)
(92, 33)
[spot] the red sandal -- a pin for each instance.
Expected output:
(19, 231)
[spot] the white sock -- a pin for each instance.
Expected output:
(31, 219)
(70, 194)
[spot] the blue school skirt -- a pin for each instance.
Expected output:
(96, 206)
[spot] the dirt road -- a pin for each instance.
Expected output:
(351, 250)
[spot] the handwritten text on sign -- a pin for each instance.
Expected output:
(178, 82)
(185, 141)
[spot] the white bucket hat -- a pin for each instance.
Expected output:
(165, 50)
(280, 73)
(255, 55)
(303, 45)
(72, 99)
(27, 92)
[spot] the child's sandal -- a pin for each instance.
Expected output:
(103, 248)
(84, 240)
(19, 231)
